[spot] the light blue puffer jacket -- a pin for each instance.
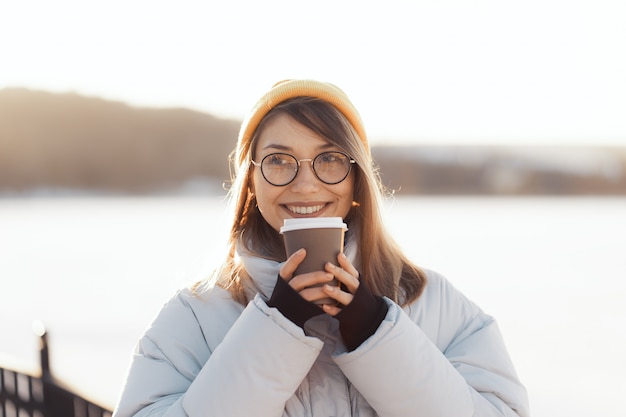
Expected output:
(207, 355)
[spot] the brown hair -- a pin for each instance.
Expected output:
(384, 267)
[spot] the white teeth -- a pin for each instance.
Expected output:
(305, 210)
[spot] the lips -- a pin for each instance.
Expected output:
(305, 209)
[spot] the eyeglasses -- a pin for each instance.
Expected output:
(280, 169)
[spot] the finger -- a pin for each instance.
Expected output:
(330, 309)
(344, 263)
(310, 279)
(350, 281)
(288, 268)
(313, 294)
(338, 295)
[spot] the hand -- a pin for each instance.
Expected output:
(347, 275)
(309, 285)
(313, 286)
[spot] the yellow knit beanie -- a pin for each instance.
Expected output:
(285, 90)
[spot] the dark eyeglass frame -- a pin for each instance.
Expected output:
(298, 161)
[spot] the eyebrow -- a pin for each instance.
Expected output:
(279, 147)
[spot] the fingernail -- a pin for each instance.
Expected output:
(300, 251)
(329, 276)
(343, 255)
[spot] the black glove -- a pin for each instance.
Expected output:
(360, 319)
(291, 304)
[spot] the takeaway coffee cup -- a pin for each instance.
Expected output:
(322, 237)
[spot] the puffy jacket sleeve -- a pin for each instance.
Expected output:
(180, 369)
(441, 357)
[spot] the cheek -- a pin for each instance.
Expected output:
(256, 184)
(348, 195)
(263, 191)
(253, 179)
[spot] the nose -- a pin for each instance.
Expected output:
(306, 180)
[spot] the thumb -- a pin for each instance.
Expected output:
(289, 267)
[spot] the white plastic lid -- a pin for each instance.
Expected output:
(313, 223)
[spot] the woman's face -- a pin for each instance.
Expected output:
(306, 195)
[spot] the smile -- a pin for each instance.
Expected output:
(306, 209)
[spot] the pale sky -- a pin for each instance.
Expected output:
(437, 71)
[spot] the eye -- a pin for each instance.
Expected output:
(278, 160)
(332, 158)
(328, 158)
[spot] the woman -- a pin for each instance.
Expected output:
(398, 341)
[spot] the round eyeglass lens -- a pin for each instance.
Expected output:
(279, 168)
(331, 167)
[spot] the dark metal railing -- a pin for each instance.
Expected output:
(24, 395)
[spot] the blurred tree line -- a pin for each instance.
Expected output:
(75, 142)
(65, 140)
